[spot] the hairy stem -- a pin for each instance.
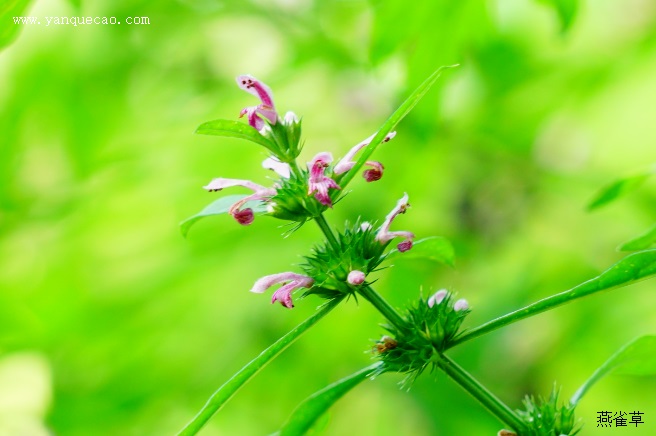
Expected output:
(229, 388)
(481, 393)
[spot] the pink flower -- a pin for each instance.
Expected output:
(265, 109)
(319, 182)
(375, 173)
(437, 297)
(274, 164)
(284, 293)
(348, 161)
(384, 234)
(245, 216)
(355, 277)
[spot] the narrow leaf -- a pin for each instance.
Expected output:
(618, 189)
(8, 27)
(219, 207)
(635, 267)
(229, 388)
(234, 129)
(310, 410)
(636, 358)
(641, 242)
(436, 248)
(391, 122)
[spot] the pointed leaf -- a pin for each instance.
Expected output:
(234, 129)
(636, 358)
(641, 242)
(635, 267)
(230, 388)
(435, 248)
(391, 122)
(8, 28)
(310, 410)
(618, 189)
(219, 207)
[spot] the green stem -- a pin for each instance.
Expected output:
(383, 307)
(481, 393)
(229, 388)
(327, 231)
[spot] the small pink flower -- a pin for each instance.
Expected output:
(348, 161)
(375, 173)
(319, 182)
(266, 109)
(355, 277)
(461, 305)
(290, 281)
(384, 234)
(274, 164)
(245, 216)
(437, 297)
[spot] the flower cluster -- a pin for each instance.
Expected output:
(299, 194)
(433, 324)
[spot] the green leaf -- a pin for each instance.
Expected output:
(230, 388)
(618, 189)
(8, 28)
(219, 207)
(234, 129)
(636, 358)
(435, 248)
(389, 125)
(310, 410)
(635, 267)
(641, 242)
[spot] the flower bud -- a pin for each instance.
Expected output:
(461, 305)
(355, 277)
(437, 297)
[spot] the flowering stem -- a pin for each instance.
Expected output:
(383, 307)
(480, 393)
(327, 231)
(229, 388)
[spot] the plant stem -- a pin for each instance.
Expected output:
(383, 307)
(327, 231)
(229, 388)
(481, 393)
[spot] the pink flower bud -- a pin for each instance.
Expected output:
(461, 305)
(437, 297)
(355, 277)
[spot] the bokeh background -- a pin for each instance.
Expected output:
(111, 323)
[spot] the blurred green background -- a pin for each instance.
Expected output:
(111, 323)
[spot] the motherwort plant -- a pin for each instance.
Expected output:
(417, 337)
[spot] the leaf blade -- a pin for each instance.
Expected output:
(391, 122)
(313, 407)
(218, 207)
(435, 248)
(617, 189)
(636, 358)
(640, 242)
(234, 129)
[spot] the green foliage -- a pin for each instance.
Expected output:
(644, 241)
(618, 189)
(8, 29)
(546, 417)
(310, 410)
(636, 358)
(219, 207)
(235, 129)
(436, 248)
